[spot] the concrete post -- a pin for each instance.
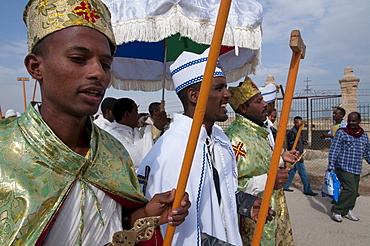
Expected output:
(349, 85)
(270, 79)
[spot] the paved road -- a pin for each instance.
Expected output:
(312, 224)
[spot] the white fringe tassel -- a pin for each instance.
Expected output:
(154, 29)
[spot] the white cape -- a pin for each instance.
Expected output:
(136, 145)
(102, 122)
(159, 171)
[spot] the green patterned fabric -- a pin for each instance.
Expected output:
(253, 155)
(256, 145)
(37, 171)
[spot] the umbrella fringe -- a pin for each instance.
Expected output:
(140, 85)
(248, 68)
(156, 85)
(175, 21)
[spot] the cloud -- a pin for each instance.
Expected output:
(12, 49)
(285, 15)
(335, 33)
(341, 32)
(336, 29)
(10, 73)
(363, 69)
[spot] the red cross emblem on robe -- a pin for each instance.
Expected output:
(238, 150)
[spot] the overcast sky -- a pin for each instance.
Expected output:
(336, 33)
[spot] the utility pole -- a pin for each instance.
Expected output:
(309, 128)
(307, 87)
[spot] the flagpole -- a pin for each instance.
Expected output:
(165, 44)
(298, 48)
(200, 109)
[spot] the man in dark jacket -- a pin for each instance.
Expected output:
(299, 166)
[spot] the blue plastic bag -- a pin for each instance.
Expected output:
(331, 186)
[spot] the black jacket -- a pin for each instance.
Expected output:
(290, 138)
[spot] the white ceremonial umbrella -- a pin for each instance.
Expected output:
(147, 31)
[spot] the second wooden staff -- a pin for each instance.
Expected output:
(287, 165)
(298, 48)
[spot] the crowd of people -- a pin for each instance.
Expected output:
(67, 179)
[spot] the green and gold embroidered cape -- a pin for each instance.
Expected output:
(253, 155)
(37, 171)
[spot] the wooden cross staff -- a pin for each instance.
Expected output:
(298, 47)
(24, 90)
(34, 90)
(200, 109)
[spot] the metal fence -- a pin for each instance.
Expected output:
(317, 114)
(316, 111)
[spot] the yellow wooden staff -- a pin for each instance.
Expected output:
(200, 109)
(298, 47)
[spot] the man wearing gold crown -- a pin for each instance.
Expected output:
(63, 180)
(249, 138)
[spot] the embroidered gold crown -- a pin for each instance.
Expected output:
(242, 93)
(43, 17)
